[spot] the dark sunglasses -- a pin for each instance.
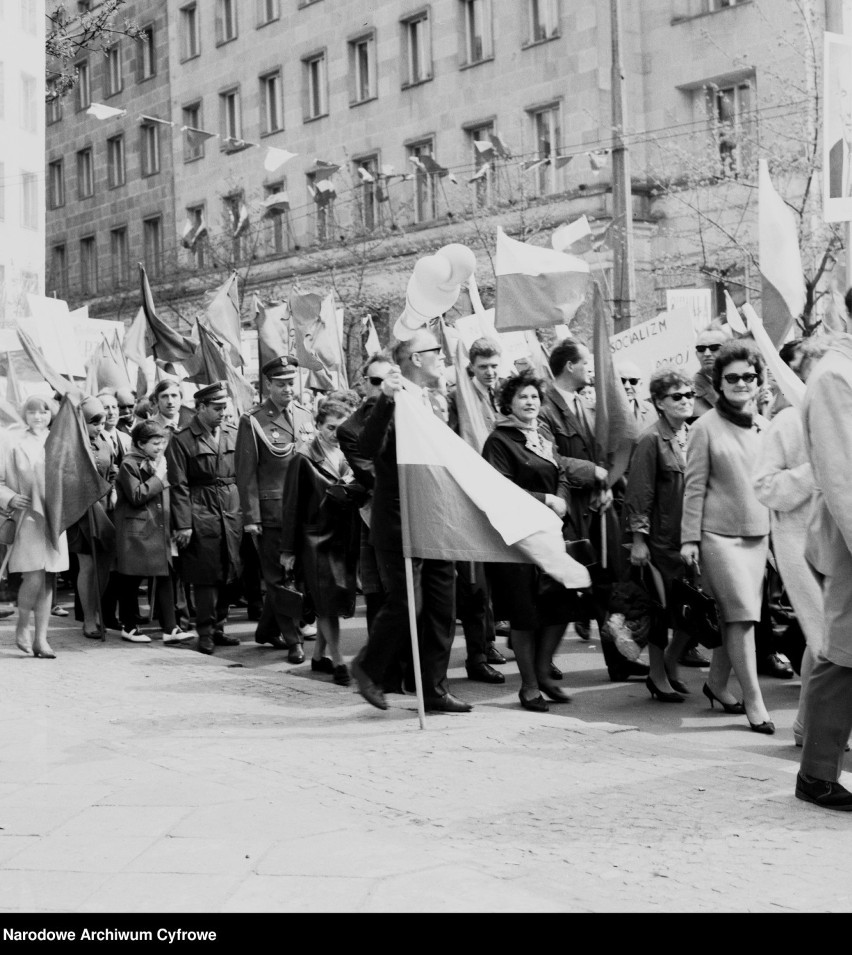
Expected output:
(680, 395)
(426, 351)
(633, 381)
(703, 348)
(97, 419)
(126, 407)
(375, 382)
(748, 378)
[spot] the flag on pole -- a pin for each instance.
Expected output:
(223, 317)
(305, 309)
(162, 341)
(72, 483)
(106, 370)
(212, 363)
(14, 393)
(100, 111)
(473, 426)
(783, 296)
(792, 387)
(456, 506)
(616, 428)
(372, 345)
(196, 137)
(275, 158)
(572, 234)
(270, 331)
(56, 381)
(328, 343)
(536, 287)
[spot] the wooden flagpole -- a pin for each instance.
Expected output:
(415, 647)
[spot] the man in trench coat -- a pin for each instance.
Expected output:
(205, 508)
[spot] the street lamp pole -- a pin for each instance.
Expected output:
(624, 274)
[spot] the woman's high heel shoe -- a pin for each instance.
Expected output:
(537, 704)
(767, 726)
(24, 641)
(738, 708)
(555, 693)
(662, 696)
(44, 651)
(677, 685)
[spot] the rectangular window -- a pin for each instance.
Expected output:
(119, 251)
(544, 19)
(477, 30)
(230, 119)
(366, 178)
(29, 103)
(547, 136)
(149, 147)
(190, 41)
(271, 113)
(193, 146)
(54, 104)
(425, 194)
(152, 236)
(56, 184)
(58, 279)
(417, 49)
(114, 79)
(84, 90)
(315, 86)
(29, 200)
(732, 125)
(88, 265)
(277, 219)
(226, 21)
(147, 54)
(362, 69)
(116, 174)
(85, 174)
(267, 11)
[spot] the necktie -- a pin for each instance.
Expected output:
(491, 400)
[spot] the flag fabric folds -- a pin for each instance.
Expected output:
(792, 387)
(106, 369)
(536, 287)
(72, 483)
(275, 158)
(56, 381)
(271, 333)
(164, 343)
(101, 111)
(223, 316)
(616, 428)
(14, 393)
(456, 506)
(472, 424)
(317, 339)
(783, 294)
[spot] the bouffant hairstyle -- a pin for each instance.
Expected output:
(144, 431)
(663, 379)
(511, 386)
(331, 408)
(737, 350)
(565, 353)
(38, 403)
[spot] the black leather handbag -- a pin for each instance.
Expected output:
(695, 612)
(287, 600)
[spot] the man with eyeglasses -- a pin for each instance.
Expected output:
(420, 366)
(706, 347)
(126, 400)
(630, 376)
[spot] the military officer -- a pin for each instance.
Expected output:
(266, 442)
(205, 509)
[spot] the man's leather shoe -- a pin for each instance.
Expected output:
(583, 629)
(775, 665)
(205, 645)
(323, 665)
(483, 673)
(220, 639)
(446, 704)
(693, 657)
(371, 693)
(823, 792)
(628, 670)
(494, 656)
(278, 642)
(554, 672)
(296, 654)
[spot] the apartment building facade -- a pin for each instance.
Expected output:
(307, 133)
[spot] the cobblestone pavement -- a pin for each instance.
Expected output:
(144, 778)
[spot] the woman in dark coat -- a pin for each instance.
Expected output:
(653, 503)
(538, 620)
(321, 538)
(143, 532)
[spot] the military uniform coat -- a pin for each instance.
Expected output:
(261, 471)
(142, 520)
(204, 497)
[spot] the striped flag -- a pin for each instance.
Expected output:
(536, 287)
(456, 506)
(783, 295)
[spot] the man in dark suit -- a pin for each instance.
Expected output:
(571, 424)
(206, 511)
(266, 441)
(421, 362)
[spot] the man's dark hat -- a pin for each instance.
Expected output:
(282, 367)
(218, 391)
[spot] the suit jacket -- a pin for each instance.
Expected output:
(204, 498)
(262, 465)
(348, 434)
(576, 453)
(488, 412)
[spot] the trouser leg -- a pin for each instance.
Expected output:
(386, 641)
(206, 596)
(473, 610)
(828, 704)
(437, 624)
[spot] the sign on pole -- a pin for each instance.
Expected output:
(699, 302)
(668, 339)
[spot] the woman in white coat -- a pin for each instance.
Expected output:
(784, 482)
(33, 555)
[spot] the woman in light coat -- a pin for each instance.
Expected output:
(33, 554)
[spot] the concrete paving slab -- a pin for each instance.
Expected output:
(210, 856)
(149, 892)
(81, 854)
(306, 895)
(47, 891)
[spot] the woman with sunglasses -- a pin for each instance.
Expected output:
(652, 507)
(726, 526)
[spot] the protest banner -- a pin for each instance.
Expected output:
(668, 339)
(699, 302)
